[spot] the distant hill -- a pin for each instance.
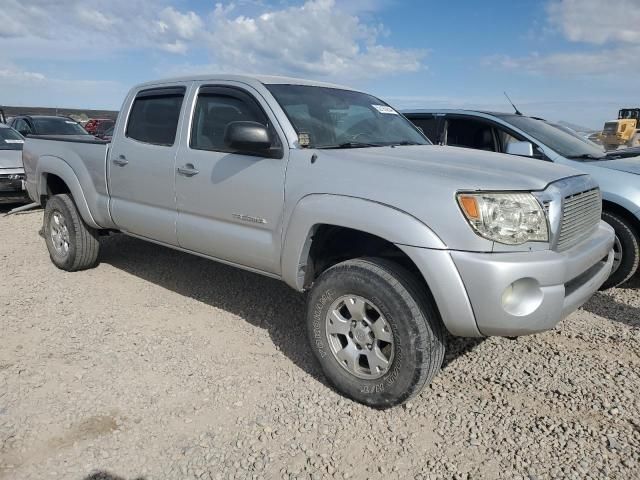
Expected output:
(80, 115)
(576, 128)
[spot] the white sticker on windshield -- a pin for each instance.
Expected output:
(385, 109)
(70, 122)
(13, 141)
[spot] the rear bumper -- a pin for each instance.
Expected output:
(511, 294)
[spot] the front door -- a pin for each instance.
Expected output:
(229, 205)
(141, 165)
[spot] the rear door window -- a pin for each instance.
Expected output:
(471, 133)
(154, 116)
(429, 126)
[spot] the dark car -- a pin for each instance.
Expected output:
(47, 125)
(97, 126)
(107, 134)
(11, 170)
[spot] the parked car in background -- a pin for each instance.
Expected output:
(48, 125)
(333, 191)
(534, 137)
(106, 135)
(12, 177)
(97, 126)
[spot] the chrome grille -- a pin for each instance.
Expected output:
(580, 216)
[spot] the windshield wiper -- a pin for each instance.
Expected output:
(586, 156)
(349, 145)
(403, 143)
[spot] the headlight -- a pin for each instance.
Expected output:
(510, 218)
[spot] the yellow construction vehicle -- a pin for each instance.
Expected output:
(624, 131)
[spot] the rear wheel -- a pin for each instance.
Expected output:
(375, 331)
(72, 244)
(626, 250)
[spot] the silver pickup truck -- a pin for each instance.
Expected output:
(335, 193)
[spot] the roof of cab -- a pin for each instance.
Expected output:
(418, 111)
(248, 79)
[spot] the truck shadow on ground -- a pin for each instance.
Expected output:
(608, 307)
(261, 301)
(107, 476)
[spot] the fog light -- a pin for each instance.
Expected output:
(522, 297)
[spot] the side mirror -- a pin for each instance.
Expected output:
(524, 149)
(250, 138)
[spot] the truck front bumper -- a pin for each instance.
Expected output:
(511, 294)
(12, 185)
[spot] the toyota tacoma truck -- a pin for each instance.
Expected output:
(334, 192)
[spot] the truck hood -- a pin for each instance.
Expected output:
(466, 168)
(629, 165)
(421, 181)
(10, 159)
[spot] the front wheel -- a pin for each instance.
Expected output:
(375, 331)
(626, 250)
(72, 244)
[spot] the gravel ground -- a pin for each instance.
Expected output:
(161, 365)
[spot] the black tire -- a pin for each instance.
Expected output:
(82, 244)
(627, 248)
(409, 310)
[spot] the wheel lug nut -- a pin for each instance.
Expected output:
(369, 346)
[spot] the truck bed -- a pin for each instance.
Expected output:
(85, 159)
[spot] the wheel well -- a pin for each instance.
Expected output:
(333, 244)
(54, 186)
(608, 206)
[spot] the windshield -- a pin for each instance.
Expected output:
(58, 126)
(334, 118)
(559, 140)
(10, 139)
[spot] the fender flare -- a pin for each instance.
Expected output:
(48, 164)
(384, 221)
(622, 202)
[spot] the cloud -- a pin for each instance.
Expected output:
(25, 87)
(315, 38)
(606, 33)
(312, 38)
(597, 21)
(605, 62)
(116, 25)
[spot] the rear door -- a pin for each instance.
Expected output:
(230, 205)
(141, 164)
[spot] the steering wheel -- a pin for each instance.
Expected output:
(356, 131)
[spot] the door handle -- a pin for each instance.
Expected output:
(121, 161)
(188, 170)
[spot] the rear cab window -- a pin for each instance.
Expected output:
(155, 114)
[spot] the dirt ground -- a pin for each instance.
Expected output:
(161, 365)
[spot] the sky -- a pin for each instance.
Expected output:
(571, 60)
